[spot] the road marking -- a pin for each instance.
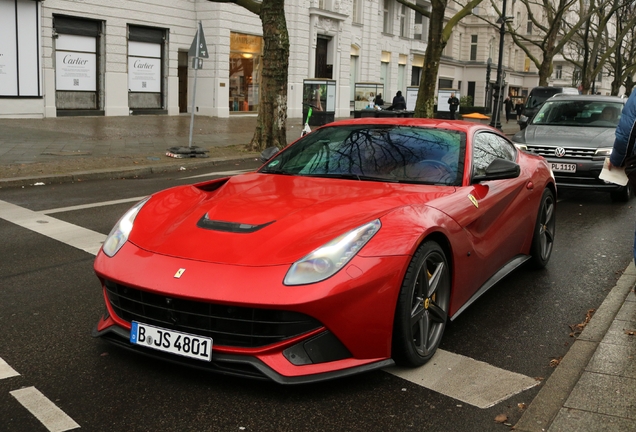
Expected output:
(466, 379)
(220, 173)
(6, 371)
(53, 418)
(72, 235)
(93, 205)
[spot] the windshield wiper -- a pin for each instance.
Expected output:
(348, 176)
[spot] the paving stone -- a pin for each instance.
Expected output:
(604, 394)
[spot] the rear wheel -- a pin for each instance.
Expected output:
(422, 307)
(544, 230)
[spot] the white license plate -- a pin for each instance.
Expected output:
(563, 167)
(174, 342)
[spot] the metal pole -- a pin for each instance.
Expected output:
(194, 89)
(495, 120)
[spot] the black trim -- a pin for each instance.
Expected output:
(78, 112)
(76, 26)
(146, 34)
(235, 365)
(233, 227)
(37, 45)
(17, 48)
(148, 111)
(501, 273)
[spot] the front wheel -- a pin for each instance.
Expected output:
(422, 307)
(544, 230)
(623, 194)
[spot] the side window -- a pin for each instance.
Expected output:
(487, 147)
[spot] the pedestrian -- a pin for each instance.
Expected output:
(508, 105)
(519, 108)
(453, 103)
(398, 102)
(626, 127)
(378, 101)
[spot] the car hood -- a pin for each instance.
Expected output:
(566, 136)
(265, 219)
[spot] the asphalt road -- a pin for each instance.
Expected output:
(50, 300)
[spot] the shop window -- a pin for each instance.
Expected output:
(20, 69)
(145, 69)
(245, 69)
(78, 76)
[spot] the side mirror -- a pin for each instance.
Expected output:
(499, 169)
(268, 153)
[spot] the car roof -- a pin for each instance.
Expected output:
(456, 125)
(591, 98)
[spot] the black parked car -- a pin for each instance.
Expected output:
(537, 96)
(575, 134)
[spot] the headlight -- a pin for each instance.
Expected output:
(520, 146)
(120, 232)
(325, 261)
(603, 151)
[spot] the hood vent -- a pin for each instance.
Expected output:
(233, 227)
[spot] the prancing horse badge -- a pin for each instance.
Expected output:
(179, 272)
(473, 200)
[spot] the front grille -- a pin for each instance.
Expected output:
(570, 152)
(227, 325)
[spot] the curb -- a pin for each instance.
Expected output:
(114, 173)
(556, 390)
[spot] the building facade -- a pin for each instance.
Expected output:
(120, 58)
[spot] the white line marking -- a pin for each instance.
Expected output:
(93, 205)
(72, 235)
(220, 173)
(6, 371)
(466, 379)
(53, 418)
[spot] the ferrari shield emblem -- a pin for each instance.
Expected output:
(473, 200)
(179, 272)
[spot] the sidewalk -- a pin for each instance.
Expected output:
(594, 387)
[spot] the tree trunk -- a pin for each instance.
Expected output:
(272, 111)
(424, 107)
(545, 70)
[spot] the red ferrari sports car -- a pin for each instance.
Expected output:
(347, 251)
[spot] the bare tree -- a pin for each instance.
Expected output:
(548, 17)
(600, 40)
(622, 62)
(272, 114)
(439, 33)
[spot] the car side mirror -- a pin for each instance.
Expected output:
(499, 169)
(268, 153)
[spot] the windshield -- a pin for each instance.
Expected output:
(377, 153)
(579, 113)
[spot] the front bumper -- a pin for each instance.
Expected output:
(244, 366)
(585, 177)
(353, 310)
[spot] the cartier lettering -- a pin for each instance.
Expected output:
(68, 59)
(143, 65)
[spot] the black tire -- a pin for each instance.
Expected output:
(422, 307)
(544, 231)
(623, 194)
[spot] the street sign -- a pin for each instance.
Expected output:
(199, 47)
(197, 63)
